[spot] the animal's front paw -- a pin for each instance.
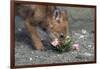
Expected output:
(40, 47)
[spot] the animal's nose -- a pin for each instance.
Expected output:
(61, 35)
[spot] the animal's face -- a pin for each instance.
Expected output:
(58, 26)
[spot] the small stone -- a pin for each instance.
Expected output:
(36, 56)
(84, 31)
(81, 36)
(76, 34)
(79, 57)
(58, 55)
(30, 59)
(90, 46)
(32, 52)
(87, 54)
(19, 29)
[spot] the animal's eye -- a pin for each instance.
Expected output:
(61, 35)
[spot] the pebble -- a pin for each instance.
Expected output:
(87, 54)
(90, 46)
(32, 52)
(58, 55)
(79, 57)
(84, 31)
(22, 46)
(36, 56)
(84, 55)
(19, 30)
(77, 34)
(81, 37)
(30, 59)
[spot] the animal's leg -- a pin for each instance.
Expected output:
(35, 36)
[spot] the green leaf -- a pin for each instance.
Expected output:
(66, 46)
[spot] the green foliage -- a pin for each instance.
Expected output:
(66, 46)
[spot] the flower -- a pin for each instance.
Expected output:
(55, 42)
(68, 36)
(75, 46)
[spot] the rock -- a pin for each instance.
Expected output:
(58, 55)
(84, 31)
(88, 54)
(30, 59)
(85, 56)
(90, 46)
(32, 52)
(36, 56)
(81, 37)
(79, 57)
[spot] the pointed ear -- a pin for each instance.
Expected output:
(64, 15)
(50, 9)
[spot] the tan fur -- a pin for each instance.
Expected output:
(42, 16)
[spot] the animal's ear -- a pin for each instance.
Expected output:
(56, 13)
(50, 9)
(64, 15)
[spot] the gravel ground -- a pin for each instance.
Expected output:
(81, 22)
